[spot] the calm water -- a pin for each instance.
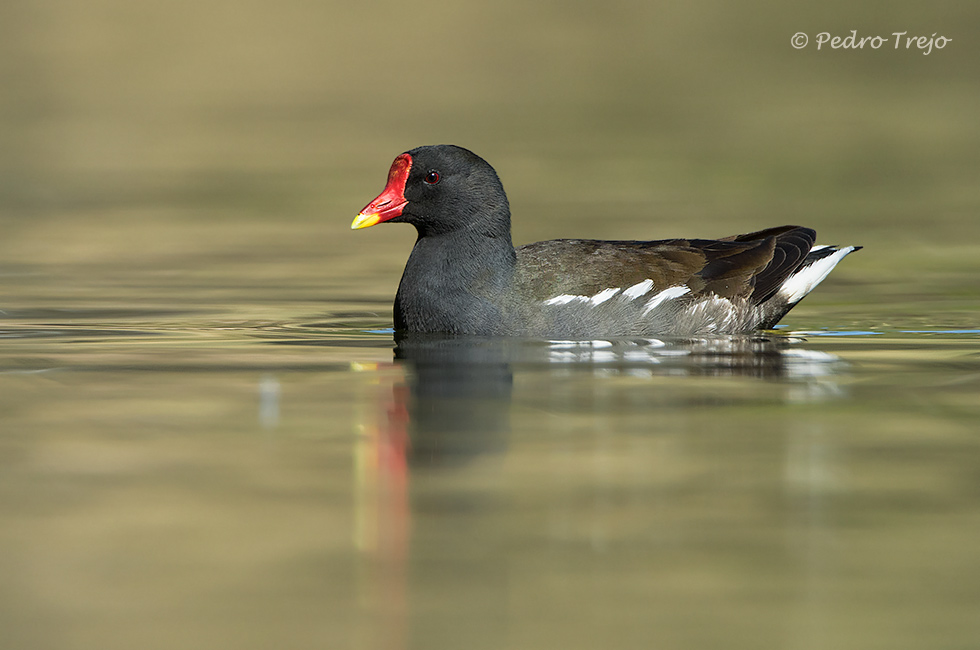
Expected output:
(208, 437)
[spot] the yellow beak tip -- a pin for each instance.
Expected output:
(364, 221)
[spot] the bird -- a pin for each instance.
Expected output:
(465, 277)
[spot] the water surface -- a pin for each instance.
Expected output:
(170, 480)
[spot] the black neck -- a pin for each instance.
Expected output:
(456, 282)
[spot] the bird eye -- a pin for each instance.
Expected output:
(432, 178)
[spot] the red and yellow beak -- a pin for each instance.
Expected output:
(391, 201)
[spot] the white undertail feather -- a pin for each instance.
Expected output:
(803, 281)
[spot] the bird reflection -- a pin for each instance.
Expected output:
(452, 405)
(460, 394)
(460, 387)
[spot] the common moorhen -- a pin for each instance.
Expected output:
(464, 275)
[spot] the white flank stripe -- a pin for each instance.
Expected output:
(803, 281)
(564, 299)
(667, 294)
(603, 296)
(597, 299)
(638, 289)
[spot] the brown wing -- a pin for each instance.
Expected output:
(791, 246)
(752, 265)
